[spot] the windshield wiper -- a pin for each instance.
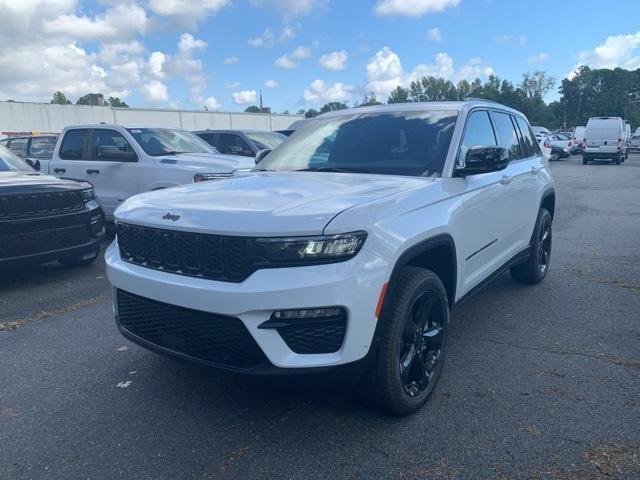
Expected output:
(334, 169)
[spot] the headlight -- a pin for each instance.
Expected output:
(309, 250)
(204, 177)
(88, 194)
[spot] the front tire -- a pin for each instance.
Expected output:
(537, 265)
(412, 347)
(80, 260)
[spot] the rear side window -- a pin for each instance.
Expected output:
(233, 145)
(42, 147)
(207, 137)
(19, 146)
(72, 147)
(507, 135)
(109, 146)
(478, 131)
(531, 147)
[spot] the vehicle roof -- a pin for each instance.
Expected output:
(117, 125)
(420, 106)
(36, 135)
(232, 130)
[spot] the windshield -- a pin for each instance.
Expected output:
(167, 141)
(10, 162)
(394, 143)
(263, 140)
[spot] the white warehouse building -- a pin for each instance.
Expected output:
(24, 117)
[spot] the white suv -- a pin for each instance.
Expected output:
(346, 249)
(122, 161)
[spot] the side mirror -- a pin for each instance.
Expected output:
(33, 163)
(484, 159)
(261, 154)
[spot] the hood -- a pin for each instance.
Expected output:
(25, 182)
(262, 203)
(207, 162)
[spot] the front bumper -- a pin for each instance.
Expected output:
(353, 285)
(51, 237)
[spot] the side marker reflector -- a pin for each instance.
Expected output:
(383, 292)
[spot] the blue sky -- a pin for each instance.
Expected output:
(300, 53)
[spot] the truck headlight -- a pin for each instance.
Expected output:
(205, 177)
(310, 250)
(88, 194)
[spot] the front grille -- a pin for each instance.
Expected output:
(15, 206)
(31, 243)
(307, 336)
(214, 257)
(207, 337)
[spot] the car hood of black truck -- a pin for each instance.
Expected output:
(25, 182)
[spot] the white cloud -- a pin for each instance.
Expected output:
(117, 22)
(291, 8)
(538, 57)
(412, 8)
(232, 85)
(245, 96)
(285, 62)
(267, 39)
(334, 60)
(230, 60)
(155, 91)
(211, 103)
(507, 39)
(155, 64)
(300, 53)
(616, 51)
(320, 92)
(271, 84)
(434, 35)
(187, 13)
(385, 71)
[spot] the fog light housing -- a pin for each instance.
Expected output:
(97, 225)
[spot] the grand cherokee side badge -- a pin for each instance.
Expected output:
(171, 216)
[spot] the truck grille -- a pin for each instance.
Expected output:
(31, 243)
(214, 257)
(14, 206)
(207, 337)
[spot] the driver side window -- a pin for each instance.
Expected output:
(478, 131)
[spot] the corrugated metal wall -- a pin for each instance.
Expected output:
(46, 117)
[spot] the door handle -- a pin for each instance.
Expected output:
(92, 171)
(59, 170)
(506, 180)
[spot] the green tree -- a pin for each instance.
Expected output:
(116, 102)
(252, 109)
(398, 95)
(301, 112)
(312, 112)
(91, 99)
(60, 98)
(369, 100)
(332, 106)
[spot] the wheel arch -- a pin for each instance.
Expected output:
(548, 201)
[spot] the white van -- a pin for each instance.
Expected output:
(605, 139)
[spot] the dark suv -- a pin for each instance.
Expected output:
(44, 218)
(241, 142)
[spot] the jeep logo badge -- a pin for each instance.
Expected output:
(171, 216)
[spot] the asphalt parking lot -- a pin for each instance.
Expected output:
(540, 382)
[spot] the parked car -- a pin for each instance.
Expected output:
(634, 144)
(246, 143)
(349, 261)
(122, 161)
(561, 145)
(578, 140)
(540, 130)
(35, 149)
(604, 140)
(545, 146)
(44, 218)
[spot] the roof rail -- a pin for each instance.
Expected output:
(477, 99)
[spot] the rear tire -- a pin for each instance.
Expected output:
(617, 160)
(412, 347)
(80, 260)
(535, 269)
(584, 161)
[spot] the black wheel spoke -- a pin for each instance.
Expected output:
(407, 361)
(433, 337)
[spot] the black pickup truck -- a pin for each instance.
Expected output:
(44, 218)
